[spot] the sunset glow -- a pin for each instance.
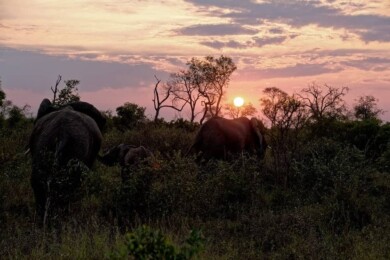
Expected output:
(238, 101)
(118, 46)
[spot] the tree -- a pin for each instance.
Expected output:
(129, 115)
(11, 114)
(2, 100)
(324, 102)
(69, 93)
(211, 77)
(2, 95)
(17, 115)
(55, 89)
(236, 112)
(287, 115)
(66, 95)
(184, 90)
(283, 111)
(158, 102)
(366, 108)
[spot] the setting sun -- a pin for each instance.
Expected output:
(238, 101)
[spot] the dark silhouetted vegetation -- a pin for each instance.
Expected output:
(321, 192)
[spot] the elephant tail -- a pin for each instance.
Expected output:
(60, 148)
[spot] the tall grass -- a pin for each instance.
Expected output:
(336, 204)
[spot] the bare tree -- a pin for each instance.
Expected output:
(55, 89)
(324, 102)
(184, 90)
(158, 101)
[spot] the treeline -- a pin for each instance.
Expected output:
(201, 88)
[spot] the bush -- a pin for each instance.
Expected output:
(336, 176)
(145, 243)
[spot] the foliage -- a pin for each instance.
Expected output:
(184, 87)
(12, 116)
(146, 243)
(287, 116)
(211, 77)
(366, 108)
(68, 94)
(331, 188)
(336, 175)
(324, 101)
(247, 110)
(128, 116)
(2, 95)
(185, 125)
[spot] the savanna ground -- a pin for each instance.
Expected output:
(322, 193)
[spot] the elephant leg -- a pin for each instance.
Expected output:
(125, 174)
(40, 194)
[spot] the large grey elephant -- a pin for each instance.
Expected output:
(60, 136)
(222, 138)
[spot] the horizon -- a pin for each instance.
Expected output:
(116, 48)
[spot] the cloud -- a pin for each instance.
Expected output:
(216, 30)
(259, 42)
(298, 70)
(301, 13)
(371, 63)
(35, 71)
(254, 42)
(229, 44)
(276, 30)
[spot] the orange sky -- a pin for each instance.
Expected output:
(116, 47)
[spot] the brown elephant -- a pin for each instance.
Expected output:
(221, 138)
(60, 136)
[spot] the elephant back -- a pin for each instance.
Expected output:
(46, 107)
(67, 134)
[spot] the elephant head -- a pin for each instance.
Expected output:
(222, 138)
(59, 136)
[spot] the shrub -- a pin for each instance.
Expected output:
(146, 243)
(336, 176)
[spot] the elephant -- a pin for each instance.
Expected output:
(59, 137)
(221, 138)
(126, 155)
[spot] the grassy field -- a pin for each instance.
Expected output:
(324, 197)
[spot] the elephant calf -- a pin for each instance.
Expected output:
(126, 155)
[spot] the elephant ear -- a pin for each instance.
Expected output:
(90, 111)
(45, 108)
(257, 125)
